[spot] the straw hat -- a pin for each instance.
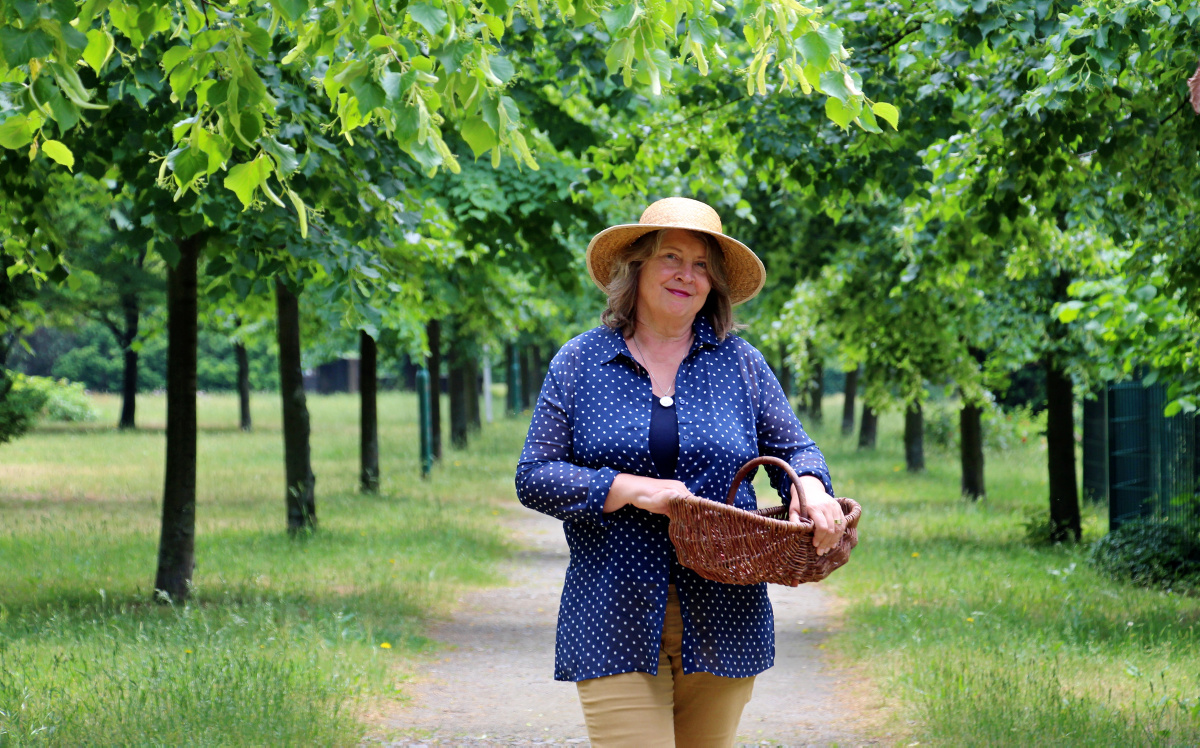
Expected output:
(744, 270)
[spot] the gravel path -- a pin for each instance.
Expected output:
(495, 685)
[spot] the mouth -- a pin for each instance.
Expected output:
(678, 294)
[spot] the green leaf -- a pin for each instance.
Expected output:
(495, 25)
(1172, 408)
(16, 131)
(408, 122)
(260, 40)
(369, 94)
(1069, 312)
(838, 112)
(866, 120)
(478, 135)
(813, 47)
(888, 113)
(284, 155)
(174, 56)
(22, 45)
(250, 126)
(60, 153)
(619, 18)
(379, 41)
(502, 68)
(292, 10)
(832, 36)
(452, 55)
(186, 163)
(301, 212)
(431, 18)
(99, 49)
(833, 84)
(245, 179)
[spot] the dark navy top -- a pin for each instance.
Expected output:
(591, 422)
(664, 440)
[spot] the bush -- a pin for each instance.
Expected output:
(19, 405)
(62, 400)
(1153, 552)
(1002, 429)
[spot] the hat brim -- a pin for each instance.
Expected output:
(743, 270)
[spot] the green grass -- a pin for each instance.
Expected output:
(960, 630)
(282, 642)
(973, 637)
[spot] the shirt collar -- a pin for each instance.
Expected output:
(702, 332)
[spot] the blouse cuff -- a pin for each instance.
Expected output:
(598, 490)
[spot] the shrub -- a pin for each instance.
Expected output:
(19, 405)
(62, 400)
(1002, 429)
(1152, 551)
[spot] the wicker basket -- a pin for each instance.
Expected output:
(726, 544)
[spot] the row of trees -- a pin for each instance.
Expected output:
(196, 129)
(1011, 221)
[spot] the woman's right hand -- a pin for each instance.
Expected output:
(651, 494)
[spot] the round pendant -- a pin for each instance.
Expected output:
(665, 401)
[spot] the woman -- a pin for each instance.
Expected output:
(662, 401)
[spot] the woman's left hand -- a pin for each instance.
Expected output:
(824, 510)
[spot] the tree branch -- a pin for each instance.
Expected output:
(900, 36)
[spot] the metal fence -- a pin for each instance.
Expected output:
(1142, 462)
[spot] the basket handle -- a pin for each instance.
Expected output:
(767, 460)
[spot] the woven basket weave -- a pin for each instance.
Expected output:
(726, 544)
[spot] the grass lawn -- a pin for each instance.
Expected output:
(283, 642)
(958, 631)
(970, 636)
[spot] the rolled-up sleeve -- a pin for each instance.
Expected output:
(780, 433)
(547, 478)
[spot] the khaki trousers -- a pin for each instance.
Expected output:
(639, 710)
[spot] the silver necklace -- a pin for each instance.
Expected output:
(666, 400)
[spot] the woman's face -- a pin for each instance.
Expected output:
(674, 283)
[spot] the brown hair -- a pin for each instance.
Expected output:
(621, 311)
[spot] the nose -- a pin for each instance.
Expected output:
(685, 272)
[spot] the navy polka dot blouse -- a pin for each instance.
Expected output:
(591, 422)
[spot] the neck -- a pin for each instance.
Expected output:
(662, 332)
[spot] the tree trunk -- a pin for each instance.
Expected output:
(785, 372)
(129, 383)
(914, 438)
(1060, 453)
(243, 385)
(297, 460)
(868, 428)
(472, 392)
(817, 392)
(177, 541)
(369, 422)
(457, 372)
(851, 391)
(433, 331)
(970, 425)
(511, 401)
(526, 353)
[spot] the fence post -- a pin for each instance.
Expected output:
(425, 418)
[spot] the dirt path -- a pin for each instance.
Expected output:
(495, 685)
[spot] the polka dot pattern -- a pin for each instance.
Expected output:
(591, 422)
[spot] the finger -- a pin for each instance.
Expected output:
(822, 531)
